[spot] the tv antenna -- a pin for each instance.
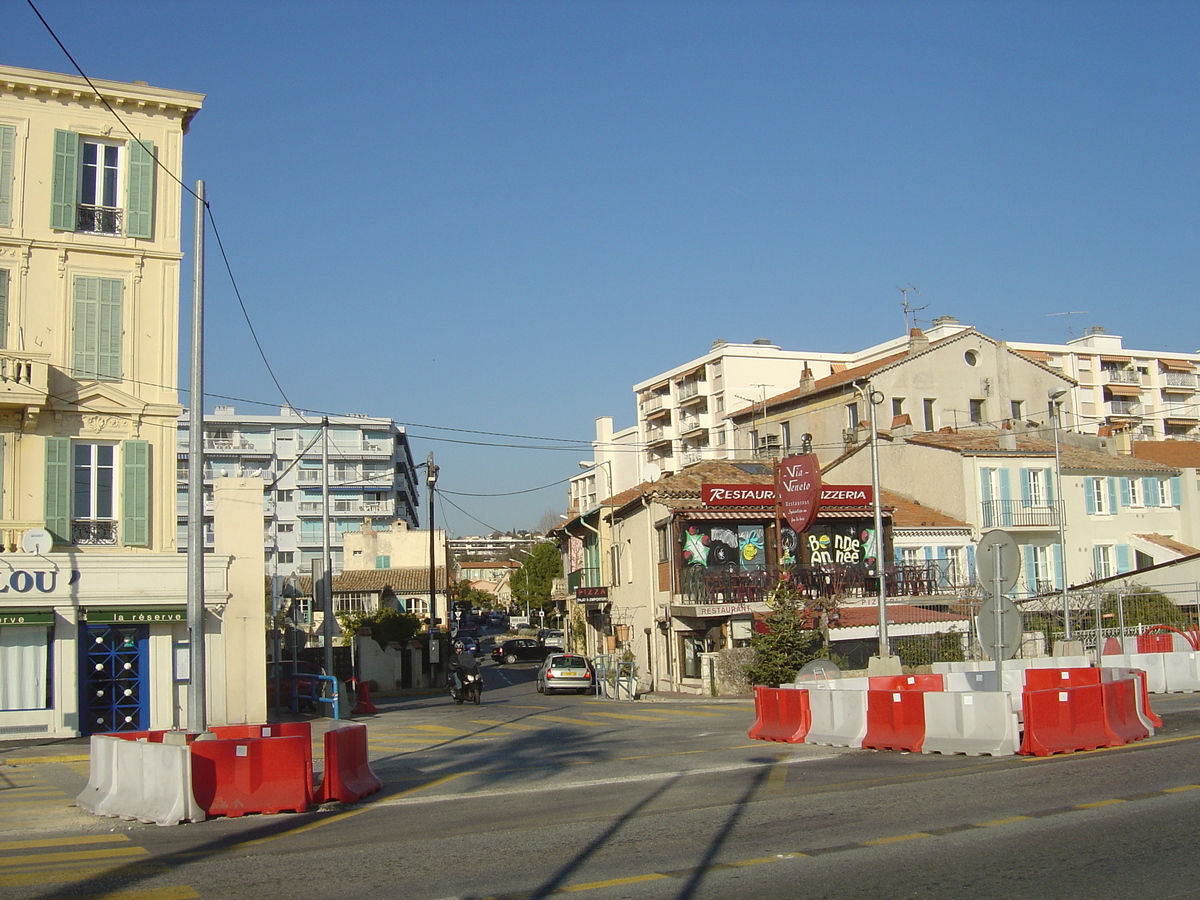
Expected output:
(910, 309)
(1077, 312)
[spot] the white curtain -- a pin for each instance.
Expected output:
(24, 659)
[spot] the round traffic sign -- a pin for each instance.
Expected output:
(997, 556)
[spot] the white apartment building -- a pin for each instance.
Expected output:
(371, 476)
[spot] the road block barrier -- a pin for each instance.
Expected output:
(933, 682)
(895, 720)
(781, 714)
(975, 723)
(838, 718)
(253, 775)
(1065, 720)
(1119, 698)
(1155, 642)
(348, 776)
(1053, 679)
(1181, 671)
(140, 779)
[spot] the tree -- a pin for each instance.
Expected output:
(387, 625)
(788, 642)
(532, 583)
(478, 599)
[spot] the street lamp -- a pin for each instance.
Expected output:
(1055, 397)
(431, 477)
(871, 398)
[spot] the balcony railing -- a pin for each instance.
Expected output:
(98, 219)
(93, 532)
(1181, 410)
(1017, 514)
(1126, 407)
(1122, 376)
(24, 378)
(654, 435)
(653, 403)
(699, 585)
(1180, 379)
(688, 390)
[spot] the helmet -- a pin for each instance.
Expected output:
(460, 646)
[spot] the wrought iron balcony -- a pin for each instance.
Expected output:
(98, 219)
(1017, 514)
(93, 532)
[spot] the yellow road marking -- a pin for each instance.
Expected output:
(671, 712)
(612, 882)
(1098, 804)
(1007, 821)
(42, 760)
(6, 807)
(625, 716)
(530, 707)
(32, 858)
(175, 892)
(31, 791)
(440, 729)
(520, 726)
(777, 777)
(567, 721)
(895, 839)
(58, 873)
(1176, 790)
(60, 842)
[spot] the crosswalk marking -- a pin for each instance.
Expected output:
(567, 721)
(35, 843)
(31, 858)
(631, 716)
(59, 875)
(440, 729)
(520, 726)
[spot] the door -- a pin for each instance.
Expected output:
(115, 678)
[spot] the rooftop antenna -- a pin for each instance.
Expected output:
(910, 309)
(1077, 312)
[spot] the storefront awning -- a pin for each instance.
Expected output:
(1115, 359)
(716, 610)
(43, 616)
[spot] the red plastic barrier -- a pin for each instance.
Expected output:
(906, 683)
(895, 720)
(1154, 642)
(252, 775)
(1120, 701)
(348, 776)
(1055, 679)
(1112, 647)
(1064, 720)
(782, 714)
(275, 729)
(364, 706)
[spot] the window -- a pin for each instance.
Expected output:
(286, 557)
(25, 655)
(8, 136)
(283, 496)
(383, 562)
(285, 527)
(977, 417)
(1096, 496)
(92, 177)
(1133, 493)
(83, 483)
(341, 471)
(1017, 410)
(927, 413)
(660, 534)
(1040, 576)
(897, 407)
(785, 434)
(97, 328)
(1102, 558)
(1035, 486)
(852, 415)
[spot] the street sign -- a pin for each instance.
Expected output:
(997, 556)
(1003, 640)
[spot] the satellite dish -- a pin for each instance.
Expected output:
(37, 540)
(652, 472)
(817, 670)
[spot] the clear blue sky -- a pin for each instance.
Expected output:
(498, 216)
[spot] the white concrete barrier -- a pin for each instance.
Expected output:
(1181, 671)
(145, 781)
(977, 723)
(839, 717)
(1150, 663)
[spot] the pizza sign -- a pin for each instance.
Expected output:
(800, 490)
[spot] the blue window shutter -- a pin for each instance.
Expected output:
(1048, 481)
(1026, 489)
(1005, 496)
(1124, 558)
(139, 212)
(1030, 568)
(1097, 563)
(1089, 495)
(1176, 494)
(1150, 491)
(1056, 553)
(985, 496)
(1112, 495)
(1125, 498)
(8, 136)
(969, 575)
(111, 329)
(135, 491)
(64, 191)
(57, 511)
(4, 279)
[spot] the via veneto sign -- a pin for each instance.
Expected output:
(800, 490)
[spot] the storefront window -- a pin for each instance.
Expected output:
(24, 667)
(692, 645)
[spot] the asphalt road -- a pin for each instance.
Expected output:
(528, 796)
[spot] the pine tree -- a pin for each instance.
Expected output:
(788, 642)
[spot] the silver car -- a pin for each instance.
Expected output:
(565, 672)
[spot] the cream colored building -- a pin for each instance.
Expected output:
(92, 611)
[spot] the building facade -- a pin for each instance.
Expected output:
(371, 475)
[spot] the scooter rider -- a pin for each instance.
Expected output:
(462, 663)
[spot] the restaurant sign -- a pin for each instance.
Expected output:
(147, 616)
(591, 593)
(800, 490)
(764, 495)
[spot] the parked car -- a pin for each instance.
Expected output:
(551, 638)
(470, 645)
(519, 650)
(565, 672)
(296, 677)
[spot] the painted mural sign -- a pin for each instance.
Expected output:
(841, 544)
(800, 490)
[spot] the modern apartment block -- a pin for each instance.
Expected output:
(371, 475)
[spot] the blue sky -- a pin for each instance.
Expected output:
(498, 216)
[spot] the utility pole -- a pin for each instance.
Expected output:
(327, 574)
(197, 710)
(431, 476)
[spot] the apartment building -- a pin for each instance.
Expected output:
(371, 476)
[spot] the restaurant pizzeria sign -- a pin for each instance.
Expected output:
(764, 495)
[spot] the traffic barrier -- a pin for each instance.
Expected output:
(1053, 679)
(348, 776)
(1064, 720)
(364, 706)
(1073, 661)
(253, 775)
(1155, 642)
(933, 682)
(1181, 671)
(140, 779)
(1152, 664)
(979, 723)
(895, 720)
(782, 714)
(838, 718)
(1119, 698)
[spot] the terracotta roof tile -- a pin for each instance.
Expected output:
(897, 614)
(987, 442)
(401, 581)
(1161, 540)
(1181, 454)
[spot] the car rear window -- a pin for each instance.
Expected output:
(567, 662)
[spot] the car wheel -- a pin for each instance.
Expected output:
(541, 690)
(510, 658)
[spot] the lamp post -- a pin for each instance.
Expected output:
(1055, 397)
(431, 477)
(871, 398)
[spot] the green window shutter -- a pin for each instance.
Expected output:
(57, 510)
(1089, 495)
(98, 328)
(135, 490)
(64, 192)
(139, 211)
(4, 279)
(111, 329)
(8, 136)
(1124, 559)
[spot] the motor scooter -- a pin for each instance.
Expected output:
(465, 685)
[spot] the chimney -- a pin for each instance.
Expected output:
(917, 341)
(807, 382)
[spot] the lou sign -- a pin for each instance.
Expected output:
(800, 490)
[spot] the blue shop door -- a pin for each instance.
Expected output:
(115, 676)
